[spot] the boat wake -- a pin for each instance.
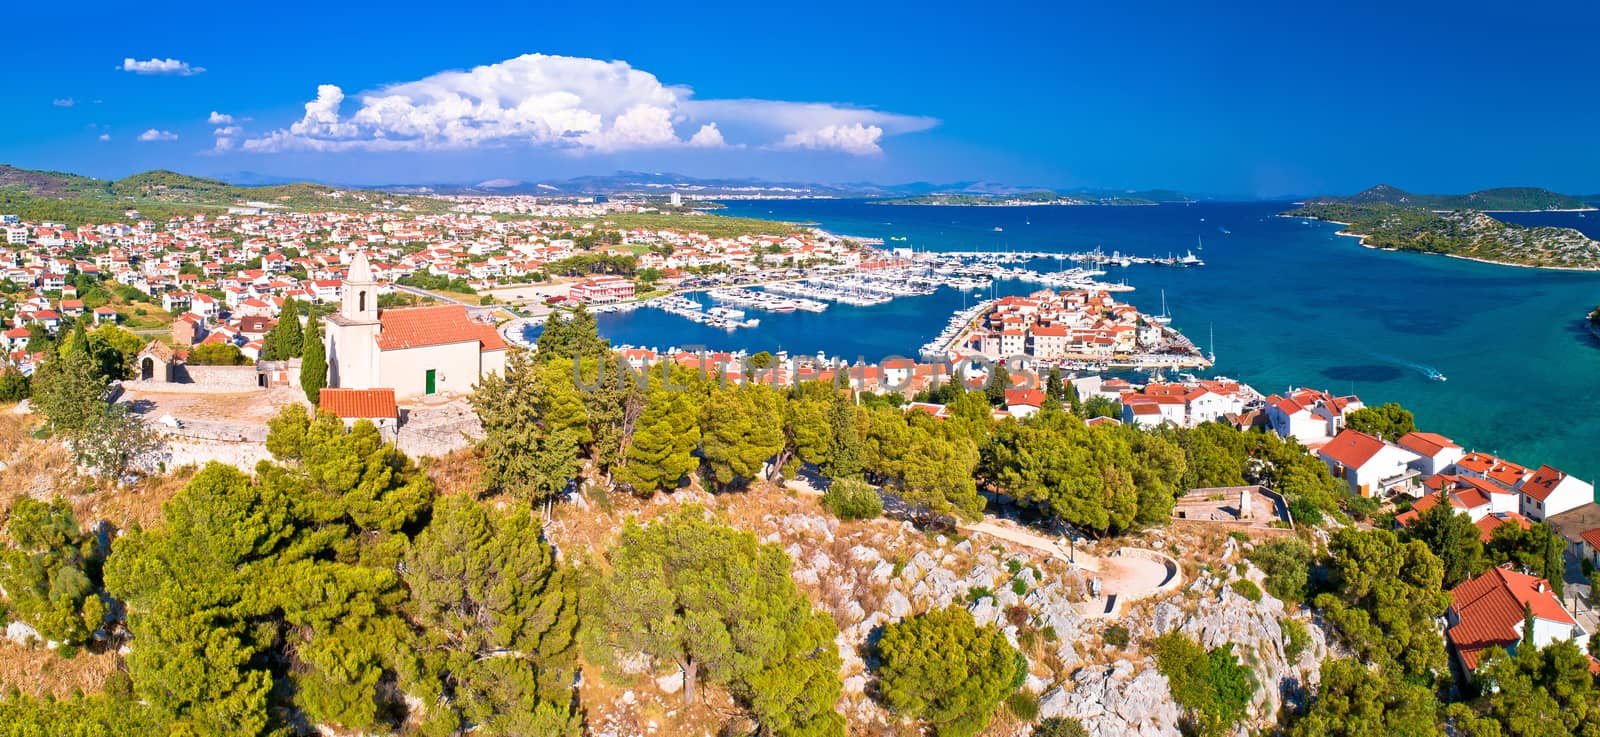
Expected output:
(1428, 372)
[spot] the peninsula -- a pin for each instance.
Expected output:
(1458, 225)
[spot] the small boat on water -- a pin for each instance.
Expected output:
(1433, 374)
(999, 229)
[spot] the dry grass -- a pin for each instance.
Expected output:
(36, 468)
(37, 671)
(457, 473)
(139, 504)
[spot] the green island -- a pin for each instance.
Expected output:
(1464, 233)
(1042, 197)
(1496, 199)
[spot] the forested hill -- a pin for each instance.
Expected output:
(1500, 198)
(1464, 233)
(74, 200)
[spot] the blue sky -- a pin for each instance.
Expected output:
(1261, 101)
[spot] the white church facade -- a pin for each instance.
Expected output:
(417, 351)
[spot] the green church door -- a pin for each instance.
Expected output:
(428, 381)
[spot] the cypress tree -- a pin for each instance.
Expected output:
(314, 363)
(285, 340)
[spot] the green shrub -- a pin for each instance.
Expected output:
(1023, 706)
(1117, 636)
(850, 499)
(1211, 685)
(1015, 566)
(1060, 727)
(1295, 638)
(1287, 563)
(1248, 589)
(978, 592)
(1243, 537)
(1019, 587)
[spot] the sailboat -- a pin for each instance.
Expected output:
(1211, 353)
(1163, 318)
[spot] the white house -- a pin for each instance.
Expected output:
(1022, 403)
(1438, 453)
(1489, 612)
(1309, 416)
(1370, 466)
(1549, 492)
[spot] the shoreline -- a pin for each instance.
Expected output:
(1362, 239)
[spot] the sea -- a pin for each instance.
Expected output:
(1283, 302)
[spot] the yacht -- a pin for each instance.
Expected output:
(1164, 318)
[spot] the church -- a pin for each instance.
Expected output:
(417, 351)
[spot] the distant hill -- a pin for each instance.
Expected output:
(73, 199)
(1500, 198)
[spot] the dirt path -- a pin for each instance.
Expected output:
(1123, 578)
(1011, 532)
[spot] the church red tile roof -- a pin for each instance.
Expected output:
(418, 327)
(359, 403)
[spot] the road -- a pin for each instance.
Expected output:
(472, 308)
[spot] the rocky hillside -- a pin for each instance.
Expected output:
(866, 574)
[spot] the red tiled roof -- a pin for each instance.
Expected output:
(1426, 443)
(1592, 537)
(1544, 481)
(1490, 609)
(359, 403)
(1352, 448)
(1025, 397)
(417, 327)
(1492, 522)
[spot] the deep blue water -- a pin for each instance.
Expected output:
(1291, 304)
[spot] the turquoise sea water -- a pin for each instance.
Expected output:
(1291, 303)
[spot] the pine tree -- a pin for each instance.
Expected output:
(314, 363)
(722, 607)
(534, 423)
(482, 585)
(664, 439)
(941, 667)
(741, 430)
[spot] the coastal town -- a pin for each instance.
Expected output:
(402, 318)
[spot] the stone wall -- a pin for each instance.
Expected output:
(235, 378)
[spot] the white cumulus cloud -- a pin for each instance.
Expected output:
(858, 139)
(63, 102)
(157, 135)
(572, 104)
(219, 118)
(105, 136)
(709, 136)
(160, 66)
